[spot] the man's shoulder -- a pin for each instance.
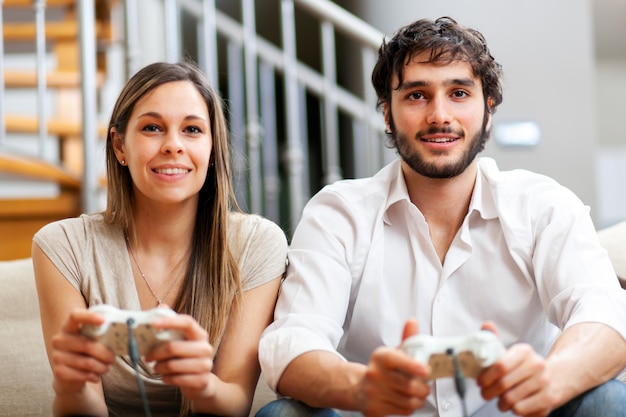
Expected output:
(492, 171)
(521, 189)
(359, 190)
(519, 181)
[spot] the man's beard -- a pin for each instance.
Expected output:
(430, 170)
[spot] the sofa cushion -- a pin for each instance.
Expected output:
(25, 378)
(613, 239)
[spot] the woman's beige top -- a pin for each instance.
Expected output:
(93, 256)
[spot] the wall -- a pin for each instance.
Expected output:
(611, 155)
(549, 78)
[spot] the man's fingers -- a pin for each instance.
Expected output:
(411, 328)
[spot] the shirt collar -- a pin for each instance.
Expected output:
(482, 198)
(397, 188)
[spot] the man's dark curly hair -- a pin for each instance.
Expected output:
(445, 41)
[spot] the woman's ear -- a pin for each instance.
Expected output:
(118, 145)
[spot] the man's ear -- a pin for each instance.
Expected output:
(489, 113)
(386, 116)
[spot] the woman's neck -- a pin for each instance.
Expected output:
(164, 228)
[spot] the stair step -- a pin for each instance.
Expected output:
(36, 169)
(66, 204)
(20, 219)
(61, 128)
(28, 79)
(29, 3)
(63, 30)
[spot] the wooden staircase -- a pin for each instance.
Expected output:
(21, 217)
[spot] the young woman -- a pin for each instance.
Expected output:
(168, 237)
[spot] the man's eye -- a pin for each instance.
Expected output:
(460, 94)
(416, 96)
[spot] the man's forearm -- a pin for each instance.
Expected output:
(583, 357)
(322, 379)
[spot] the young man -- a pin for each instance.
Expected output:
(441, 242)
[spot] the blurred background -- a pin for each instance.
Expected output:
(295, 78)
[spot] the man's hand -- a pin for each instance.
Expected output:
(520, 379)
(394, 383)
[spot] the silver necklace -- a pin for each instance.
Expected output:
(158, 300)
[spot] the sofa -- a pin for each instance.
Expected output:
(26, 379)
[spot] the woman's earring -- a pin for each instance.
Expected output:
(123, 162)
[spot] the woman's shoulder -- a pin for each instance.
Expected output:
(252, 226)
(84, 226)
(259, 246)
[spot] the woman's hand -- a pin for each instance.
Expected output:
(188, 363)
(76, 359)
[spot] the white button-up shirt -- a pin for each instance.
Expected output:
(361, 263)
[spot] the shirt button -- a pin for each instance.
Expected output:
(447, 407)
(439, 298)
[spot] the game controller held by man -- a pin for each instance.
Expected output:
(474, 353)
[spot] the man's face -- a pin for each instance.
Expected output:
(437, 117)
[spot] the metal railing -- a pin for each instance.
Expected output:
(271, 143)
(294, 127)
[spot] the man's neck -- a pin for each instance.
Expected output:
(443, 202)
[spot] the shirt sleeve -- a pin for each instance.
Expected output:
(574, 276)
(315, 294)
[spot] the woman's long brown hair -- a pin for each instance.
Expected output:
(212, 284)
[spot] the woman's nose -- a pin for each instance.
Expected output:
(172, 144)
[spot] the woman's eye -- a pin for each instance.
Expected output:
(193, 129)
(151, 128)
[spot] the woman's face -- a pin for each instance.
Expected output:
(167, 144)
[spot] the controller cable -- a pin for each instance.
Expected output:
(133, 351)
(459, 380)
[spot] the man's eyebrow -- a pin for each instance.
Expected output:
(465, 82)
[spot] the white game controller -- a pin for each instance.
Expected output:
(474, 353)
(114, 331)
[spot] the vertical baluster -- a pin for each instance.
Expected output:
(237, 121)
(3, 130)
(40, 41)
(172, 31)
(373, 144)
(208, 40)
(294, 155)
(303, 141)
(253, 126)
(330, 140)
(87, 17)
(271, 180)
(131, 36)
